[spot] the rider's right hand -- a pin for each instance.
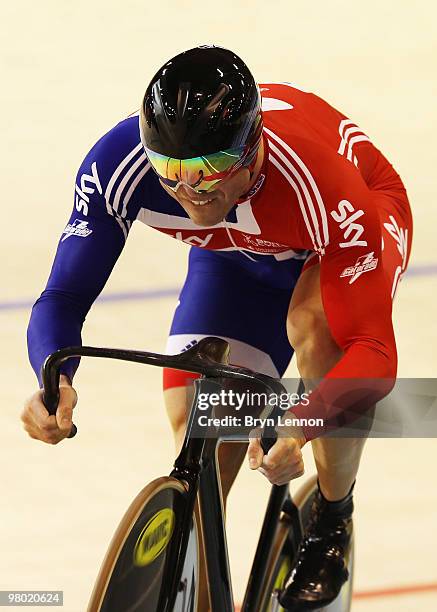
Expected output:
(40, 425)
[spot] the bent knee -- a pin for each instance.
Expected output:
(178, 402)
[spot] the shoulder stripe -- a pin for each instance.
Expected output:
(120, 168)
(132, 188)
(352, 141)
(299, 197)
(123, 223)
(346, 142)
(344, 138)
(141, 160)
(303, 186)
(295, 163)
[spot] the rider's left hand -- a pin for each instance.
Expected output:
(284, 460)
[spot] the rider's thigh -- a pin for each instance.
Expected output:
(177, 402)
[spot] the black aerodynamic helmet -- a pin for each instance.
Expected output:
(202, 101)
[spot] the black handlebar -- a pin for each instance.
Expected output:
(208, 357)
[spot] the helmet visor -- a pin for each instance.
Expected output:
(200, 173)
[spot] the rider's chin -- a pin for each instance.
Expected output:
(206, 219)
(205, 215)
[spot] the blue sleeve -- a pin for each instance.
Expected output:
(87, 252)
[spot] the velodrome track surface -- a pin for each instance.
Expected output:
(71, 71)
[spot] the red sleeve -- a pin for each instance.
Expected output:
(357, 301)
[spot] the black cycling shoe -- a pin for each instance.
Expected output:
(320, 570)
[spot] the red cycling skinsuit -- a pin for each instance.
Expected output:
(325, 187)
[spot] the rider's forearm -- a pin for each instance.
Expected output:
(55, 322)
(364, 375)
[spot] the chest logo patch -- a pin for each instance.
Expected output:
(194, 240)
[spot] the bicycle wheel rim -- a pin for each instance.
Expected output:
(136, 574)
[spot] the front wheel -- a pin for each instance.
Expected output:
(137, 573)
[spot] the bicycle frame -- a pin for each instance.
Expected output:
(197, 468)
(197, 465)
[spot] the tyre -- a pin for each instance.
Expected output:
(137, 572)
(283, 563)
(285, 548)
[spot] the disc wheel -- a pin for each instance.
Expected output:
(137, 571)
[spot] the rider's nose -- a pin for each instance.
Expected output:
(186, 191)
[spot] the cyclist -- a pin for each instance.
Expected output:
(300, 230)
